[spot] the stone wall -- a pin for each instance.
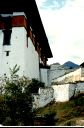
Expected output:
(61, 92)
(56, 71)
(44, 96)
(70, 77)
(79, 88)
(44, 76)
(64, 92)
(58, 93)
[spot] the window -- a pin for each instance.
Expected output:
(7, 53)
(27, 40)
(7, 31)
(7, 36)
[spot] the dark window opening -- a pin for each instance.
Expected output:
(27, 40)
(7, 36)
(8, 30)
(7, 53)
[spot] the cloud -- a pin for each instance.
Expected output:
(58, 4)
(54, 4)
(64, 27)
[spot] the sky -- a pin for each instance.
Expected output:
(63, 21)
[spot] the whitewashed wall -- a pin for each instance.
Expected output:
(82, 72)
(31, 61)
(64, 92)
(72, 90)
(57, 70)
(16, 55)
(58, 93)
(55, 74)
(70, 77)
(43, 97)
(79, 88)
(61, 92)
(18, 42)
(1, 52)
(44, 76)
(26, 58)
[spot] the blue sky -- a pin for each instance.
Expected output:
(63, 21)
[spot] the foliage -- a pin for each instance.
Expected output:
(3, 109)
(16, 99)
(64, 112)
(50, 118)
(34, 86)
(14, 71)
(46, 120)
(18, 102)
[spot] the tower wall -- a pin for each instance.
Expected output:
(16, 51)
(31, 61)
(21, 50)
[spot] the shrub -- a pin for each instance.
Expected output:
(34, 86)
(50, 118)
(3, 109)
(16, 101)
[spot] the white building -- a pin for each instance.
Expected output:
(69, 85)
(23, 40)
(56, 70)
(74, 76)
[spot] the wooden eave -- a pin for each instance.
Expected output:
(33, 19)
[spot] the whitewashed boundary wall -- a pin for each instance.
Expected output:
(71, 77)
(64, 92)
(44, 76)
(44, 96)
(57, 71)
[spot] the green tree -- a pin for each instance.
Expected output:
(34, 86)
(16, 101)
(19, 102)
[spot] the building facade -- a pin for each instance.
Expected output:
(74, 76)
(23, 42)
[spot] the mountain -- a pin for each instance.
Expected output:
(70, 64)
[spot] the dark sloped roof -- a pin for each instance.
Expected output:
(82, 64)
(32, 13)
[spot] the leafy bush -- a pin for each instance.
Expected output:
(50, 118)
(3, 109)
(34, 86)
(16, 101)
(46, 120)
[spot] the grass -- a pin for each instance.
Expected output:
(64, 112)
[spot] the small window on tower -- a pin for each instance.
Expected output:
(7, 53)
(27, 40)
(7, 36)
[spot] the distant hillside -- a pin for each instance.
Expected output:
(70, 64)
